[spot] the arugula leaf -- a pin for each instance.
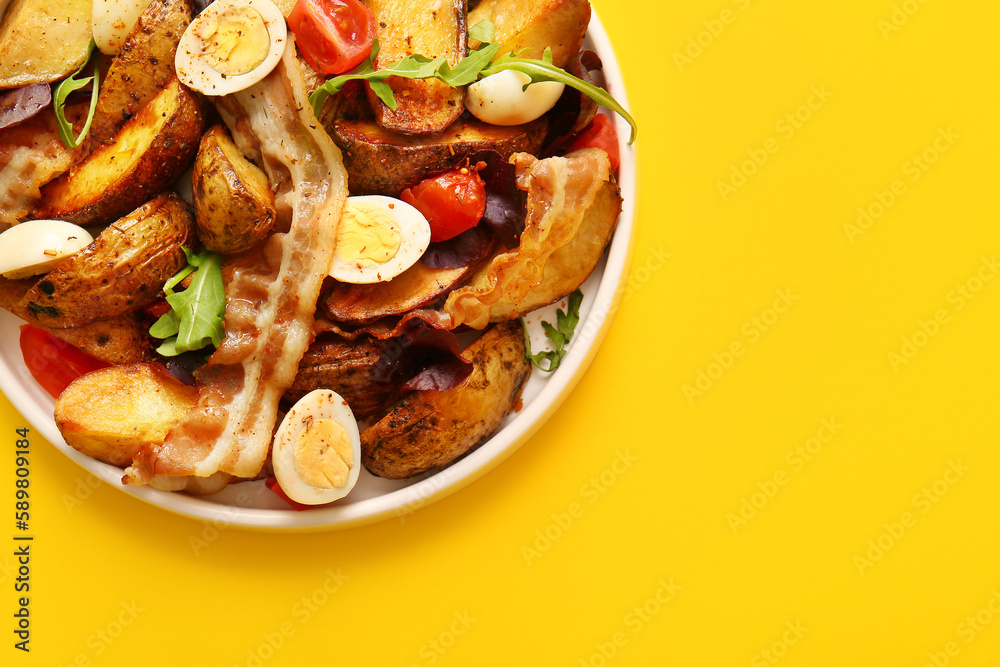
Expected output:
(544, 70)
(484, 31)
(478, 64)
(559, 334)
(69, 85)
(194, 320)
(410, 67)
(468, 69)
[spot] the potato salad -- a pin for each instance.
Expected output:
(279, 241)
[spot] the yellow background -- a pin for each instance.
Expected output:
(116, 582)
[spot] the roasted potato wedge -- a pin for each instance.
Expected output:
(147, 155)
(121, 271)
(569, 266)
(110, 413)
(234, 205)
(142, 68)
(428, 429)
(415, 287)
(42, 41)
(431, 28)
(532, 25)
(349, 368)
(386, 163)
(120, 340)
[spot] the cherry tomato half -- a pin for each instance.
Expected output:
(272, 484)
(600, 133)
(333, 35)
(52, 362)
(452, 202)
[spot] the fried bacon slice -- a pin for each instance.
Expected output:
(560, 192)
(270, 297)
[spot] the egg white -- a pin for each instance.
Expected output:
(316, 405)
(34, 247)
(194, 70)
(502, 99)
(113, 21)
(415, 233)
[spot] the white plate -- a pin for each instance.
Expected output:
(251, 505)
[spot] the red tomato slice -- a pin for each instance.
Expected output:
(452, 202)
(600, 133)
(272, 484)
(52, 362)
(333, 35)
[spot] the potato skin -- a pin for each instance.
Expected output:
(35, 48)
(234, 205)
(142, 68)
(121, 271)
(431, 28)
(147, 155)
(119, 340)
(349, 368)
(428, 429)
(381, 162)
(569, 266)
(413, 288)
(536, 24)
(110, 413)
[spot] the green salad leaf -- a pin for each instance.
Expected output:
(480, 63)
(195, 318)
(70, 84)
(559, 335)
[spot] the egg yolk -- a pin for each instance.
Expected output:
(367, 236)
(323, 455)
(235, 41)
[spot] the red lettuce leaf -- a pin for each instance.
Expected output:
(468, 247)
(431, 359)
(574, 110)
(23, 103)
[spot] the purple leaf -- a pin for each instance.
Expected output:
(23, 103)
(506, 204)
(468, 247)
(574, 110)
(430, 357)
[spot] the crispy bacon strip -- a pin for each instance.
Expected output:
(271, 295)
(30, 156)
